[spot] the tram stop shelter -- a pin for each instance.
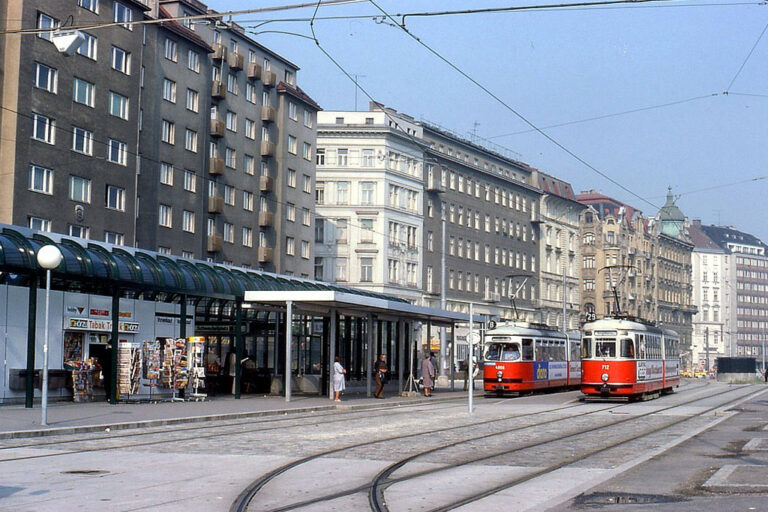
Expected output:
(133, 295)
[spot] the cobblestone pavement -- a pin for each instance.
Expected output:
(204, 466)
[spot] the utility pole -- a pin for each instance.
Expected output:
(357, 86)
(706, 349)
(442, 293)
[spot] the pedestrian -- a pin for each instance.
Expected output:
(380, 369)
(765, 374)
(470, 372)
(428, 375)
(436, 366)
(338, 379)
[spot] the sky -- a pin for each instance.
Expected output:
(556, 66)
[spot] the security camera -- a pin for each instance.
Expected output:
(68, 42)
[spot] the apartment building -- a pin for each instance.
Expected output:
(750, 286)
(369, 201)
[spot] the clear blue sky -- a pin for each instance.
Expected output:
(558, 66)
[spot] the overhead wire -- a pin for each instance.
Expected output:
(746, 59)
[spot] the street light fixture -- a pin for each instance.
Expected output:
(49, 257)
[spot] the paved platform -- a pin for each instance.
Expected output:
(68, 418)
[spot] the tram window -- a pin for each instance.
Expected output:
(492, 351)
(574, 351)
(641, 346)
(510, 352)
(628, 348)
(586, 346)
(605, 348)
(528, 349)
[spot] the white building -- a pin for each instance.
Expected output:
(369, 202)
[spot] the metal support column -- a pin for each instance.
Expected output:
(238, 347)
(288, 339)
(453, 366)
(370, 357)
(183, 317)
(332, 350)
(401, 348)
(31, 339)
(115, 346)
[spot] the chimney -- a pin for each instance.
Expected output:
(697, 223)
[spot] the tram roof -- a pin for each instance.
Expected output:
(127, 267)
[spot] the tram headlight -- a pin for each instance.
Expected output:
(604, 377)
(499, 374)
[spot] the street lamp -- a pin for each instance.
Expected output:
(49, 257)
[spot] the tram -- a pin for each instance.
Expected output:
(622, 357)
(521, 357)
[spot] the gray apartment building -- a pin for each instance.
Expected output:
(185, 137)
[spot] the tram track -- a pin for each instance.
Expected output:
(223, 430)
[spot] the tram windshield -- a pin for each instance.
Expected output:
(605, 347)
(628, 348)
(502, 352)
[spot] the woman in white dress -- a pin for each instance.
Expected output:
(338, 379)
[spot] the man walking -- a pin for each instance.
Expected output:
(380, 371)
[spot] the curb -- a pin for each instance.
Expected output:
(84, 429)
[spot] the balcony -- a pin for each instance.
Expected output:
(434, 184)
(267, 148)
(213, 243)
(216, 165)
(215, 204)
(235, 61)
(266, 219)
(265, 254)
(268, 78)
(254, 71)
(492, 297)
(266, 184)
(218, 90)
(219, 52)
(268, 114)
(217, 127)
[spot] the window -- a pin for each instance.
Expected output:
(320, 193)
(46, 22)
(290, 212)
(169, 90)
(40, 179)
(193, 61)
(291, 178)
(82, 141)
(247, 200)
(229, 195)
(292, 111)
(163, 250)
(318, 269)
(247, 237)
(249, 164)
(250, 92)
(307, 184)
(231, 158)
(232, 83)
(341, 269)
(305, 249)
(188, 221)
(171, 50)
(46, 78)
(292, 145)
(79, 231)
(168, 132)
(367, 158)
(118, 105)
(114, 238)
(366, 231)
(88, 47)
(166, 173)
(122, 14)
(43, 129)
(341, 231)
(79, 189)
(306, 217)
(165, 216)
(39, 224)
(250, 129)
(290, 246)
(117, 152)
(367, 192)
(82, 92)
(308, 119)
(231, 121)
(91, 5)
(229, 233)
(366, 270)
(193, 99)
(190, 181)
(115, 198)
(307, 151)
(320, 156)
(190, 141)
(342, 157)
(121, 60)
(320, 231)
(342, 192)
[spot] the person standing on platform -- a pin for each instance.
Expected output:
(436, 366)
(338, 379)
(380, 369)
(428, 375)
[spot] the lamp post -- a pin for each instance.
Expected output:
(49, 257)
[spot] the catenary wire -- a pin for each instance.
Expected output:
(747, 58)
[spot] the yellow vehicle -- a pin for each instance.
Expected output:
(700, 374)
(686, 373)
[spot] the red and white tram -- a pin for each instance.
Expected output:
(626, 358)
(521, 357)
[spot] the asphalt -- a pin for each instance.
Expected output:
(16, 421)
